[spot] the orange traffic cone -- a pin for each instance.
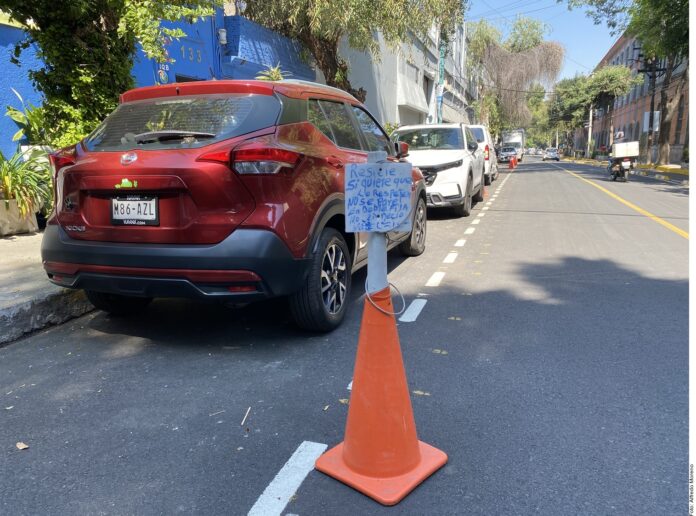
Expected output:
(511, 164)
(381, 455)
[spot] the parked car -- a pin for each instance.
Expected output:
(449, 157)
(490, 161)
(219, 190)
(506, 154)
(551, 153)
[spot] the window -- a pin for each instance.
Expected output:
(316, 116)
(337, 123)
(373, 134)
(680, 121)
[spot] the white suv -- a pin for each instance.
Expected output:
(490, 161)
(451, 161)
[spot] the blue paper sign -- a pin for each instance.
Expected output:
(378, 197)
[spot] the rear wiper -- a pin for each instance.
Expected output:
(160, 136)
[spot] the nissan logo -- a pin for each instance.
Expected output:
(128, 158)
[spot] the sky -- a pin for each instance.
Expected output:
(585, 43)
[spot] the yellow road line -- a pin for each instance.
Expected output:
(640, 210)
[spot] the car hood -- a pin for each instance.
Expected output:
(432, 158)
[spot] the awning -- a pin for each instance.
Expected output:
(410, 94)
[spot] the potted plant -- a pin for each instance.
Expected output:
(24, 189)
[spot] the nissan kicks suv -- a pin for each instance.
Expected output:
(219, 190)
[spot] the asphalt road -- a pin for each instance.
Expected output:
(563, 389)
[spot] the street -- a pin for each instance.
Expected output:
(549, 361)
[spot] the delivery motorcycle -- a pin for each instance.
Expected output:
(623, 159)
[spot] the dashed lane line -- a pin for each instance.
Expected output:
(288, 480)
(450, 257)
(469, 231)
(476, 221)
(460, 243)
(480, 215)
(413, 310)
(435, 279)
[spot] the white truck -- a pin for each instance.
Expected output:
(515, 138)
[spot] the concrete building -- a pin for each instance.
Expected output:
(630, 113)
(402, 85)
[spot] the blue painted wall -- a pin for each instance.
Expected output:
(16, 77)
(199, 56)
(252, 48)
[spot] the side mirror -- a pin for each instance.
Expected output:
(473, 146)
(401, 149)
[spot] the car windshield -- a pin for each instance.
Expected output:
(439, 138)
(550, 150)
(182, 122)
(515, 145)
(509, 149)
(478, 134)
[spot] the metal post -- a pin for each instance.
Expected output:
(377, 262)
(651, 116)
(589, 134)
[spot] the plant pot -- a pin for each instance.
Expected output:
(12, 222)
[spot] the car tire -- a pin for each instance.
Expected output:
(321, 304)
(478, 196)
(488, 179)
(414, 245)
(116, 304)
(464, 209)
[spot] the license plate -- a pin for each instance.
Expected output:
(135, 210)
(626, 164)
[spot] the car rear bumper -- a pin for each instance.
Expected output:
(249, 264)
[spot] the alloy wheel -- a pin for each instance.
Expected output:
(333, 278)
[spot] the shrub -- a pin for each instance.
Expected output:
(26, 178)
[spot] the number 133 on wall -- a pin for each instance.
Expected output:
(190, 52)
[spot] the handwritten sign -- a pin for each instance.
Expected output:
(378, 197)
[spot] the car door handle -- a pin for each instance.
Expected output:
(334, 161)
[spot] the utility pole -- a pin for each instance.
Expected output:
(556, 138)
(589, 134)
(441, 76)
(651, 70)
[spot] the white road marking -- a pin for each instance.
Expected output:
(435, 279)
(469, 231)
(475, 221)
(460, 243)
(288, 480)
(413, 310)
(485, 208)
(350, 385)
(480, 215)
(450, 257)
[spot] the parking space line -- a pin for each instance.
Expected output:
(413, 310)
(469, 231)
(435, 279)
(288, 480)
(460, 243)
(450, 257)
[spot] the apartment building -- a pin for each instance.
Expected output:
(630, 113)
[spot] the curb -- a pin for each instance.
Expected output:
(55, 306)
(654, 174)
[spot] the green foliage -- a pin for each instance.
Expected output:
(273, 73)
(526, 33)
(87, 47)
(26, 178)
(390, 127)
(662, 27)
(30, 120)
(480, 36)
(321, 24)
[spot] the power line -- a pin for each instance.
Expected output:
(515, 4)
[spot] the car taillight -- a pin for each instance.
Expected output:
(59, 160)
(263, 160)
(486, 153)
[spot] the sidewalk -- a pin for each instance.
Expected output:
(672, 175)
(28, 301)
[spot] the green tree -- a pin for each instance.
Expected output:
(526, 34)
(320, 25)
(87, 47)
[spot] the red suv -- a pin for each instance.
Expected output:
(225, 190)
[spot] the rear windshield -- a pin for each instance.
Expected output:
(509, 149)
(183, 122)
(435, 138)
(550, 150)
(478, 134)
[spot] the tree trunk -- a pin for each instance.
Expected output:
(334, 68)
(668, 105)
